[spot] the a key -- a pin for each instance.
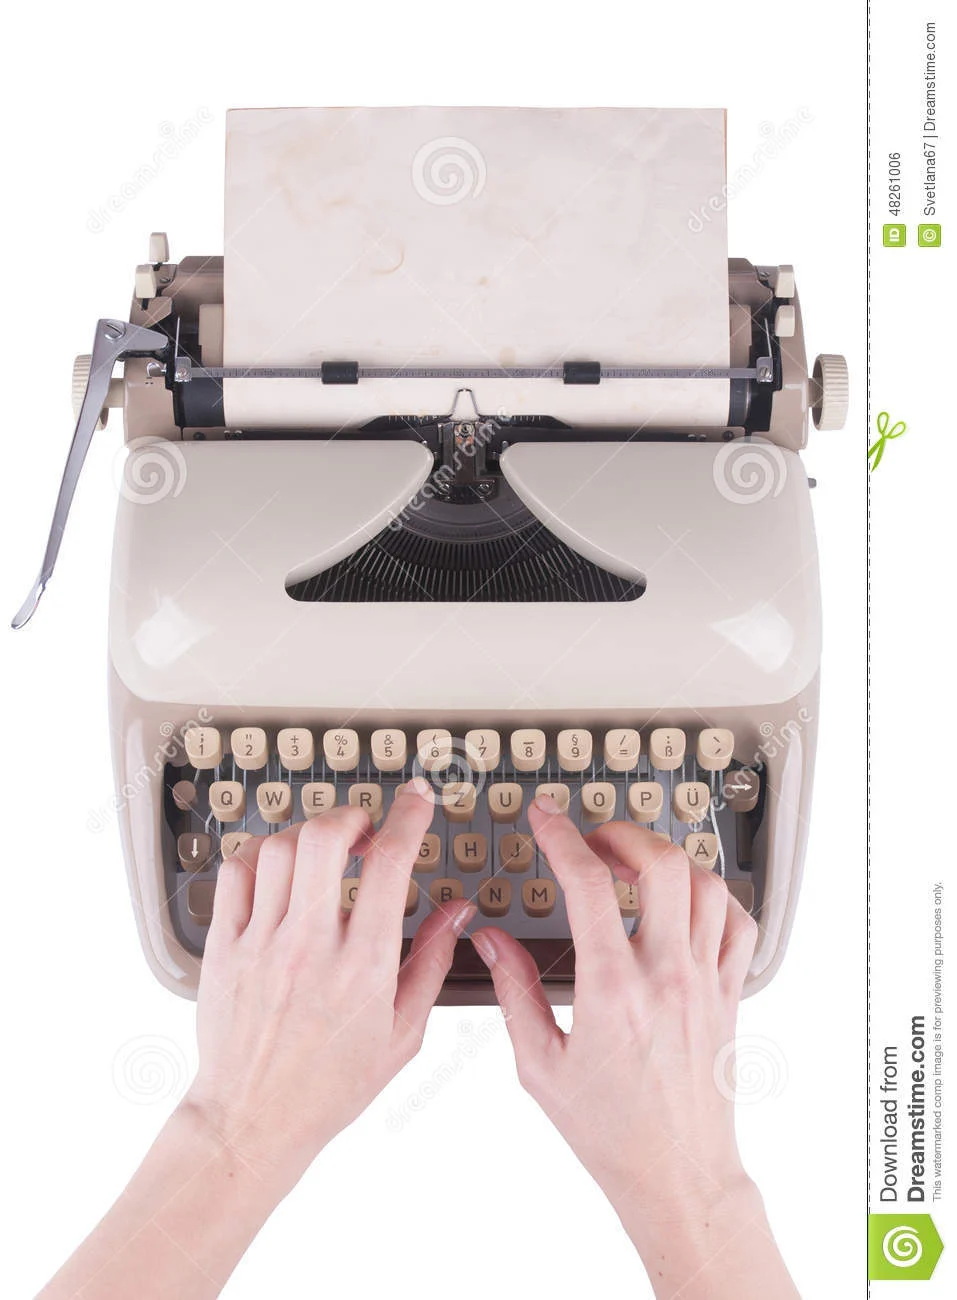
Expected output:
(743, 891)
(505, 802)
(434, 750)
(516, 852)
(250, 748)
(574, 749)
(318, 797)
(430, 851)
(444, 889)
(494, 896)
(627, 895)
(528, 749)
(231, 842)
(296, 749)
(204, 747)
(715, 748)
(389, 750)
(470, 852)
(666, 748)
(560, 793)
(538, 897)
(274, 800)
(645, 801)
(702, 849)
(622, 748)
(199, 900)
(184, 795)
(458, 801)
(193, 850)
(368, 797)
(349, 892)
(341, 749)
(598, 802)
(483, 750)
(691, 800)
(740, 790)
(227, 801)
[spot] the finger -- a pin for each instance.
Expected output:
(273, 878)
(323, 851)
(593, 914)
(232, 901)
(664, 883)
(737, 947)
(709, 909)
(379, 908)
(518, 987)
(424, 970)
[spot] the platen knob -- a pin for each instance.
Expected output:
(81, 374)
(830, 391)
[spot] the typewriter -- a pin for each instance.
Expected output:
(622, 615)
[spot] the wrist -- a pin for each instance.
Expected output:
(230, 1151)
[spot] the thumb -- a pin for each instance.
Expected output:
(518, 987)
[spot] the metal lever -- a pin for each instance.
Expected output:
(115, 340)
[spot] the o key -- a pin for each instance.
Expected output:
(598, 801)
(538, 897)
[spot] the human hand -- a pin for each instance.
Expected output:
(304, 1014)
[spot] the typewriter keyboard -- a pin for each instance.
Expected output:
(685, 786)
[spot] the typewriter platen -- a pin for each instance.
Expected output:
(309, 614)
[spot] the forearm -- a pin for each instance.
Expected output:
(709, 1245)
(180, 1227)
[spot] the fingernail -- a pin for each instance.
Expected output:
(418, 785)
(546, 804)
(462, 917)
(485, 948)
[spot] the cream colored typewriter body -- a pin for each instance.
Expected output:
(497, 574)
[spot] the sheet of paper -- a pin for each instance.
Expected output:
(475, 237)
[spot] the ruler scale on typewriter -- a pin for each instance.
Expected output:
(540, 526)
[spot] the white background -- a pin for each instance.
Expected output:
(475, 1193)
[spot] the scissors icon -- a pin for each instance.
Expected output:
(887, 432)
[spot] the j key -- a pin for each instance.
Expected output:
(516, 852)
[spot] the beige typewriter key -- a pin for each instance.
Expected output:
(645, 801)
(430, 850)
(412, 898)
(231, 842)
(516, 852)
(434, 750)
(470, 852)
(743, 891)
(250, 748)
(389, 750)
(193, 850)
(598, 802)
(227, 801)
(627, 895)
(368, 797)
(574, 749)
(494, 896)
(318, 797)
(296, 749)
(184, 795)
(538, 897)
(442, 890)
(204, 747)
(702, 849)
(274, 799)
(715, 748)
(622, 747)
(458, 801)
(560, 793)
(740, 790)
(341, 749)
(528, 749)
(348, 892)
(666, 748)
(504, 802)
(199, 900)
(691, 800)
(483, 750)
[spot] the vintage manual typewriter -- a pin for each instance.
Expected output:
(476, 457)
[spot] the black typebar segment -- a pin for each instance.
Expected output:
(340, 372)
(581, 372)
